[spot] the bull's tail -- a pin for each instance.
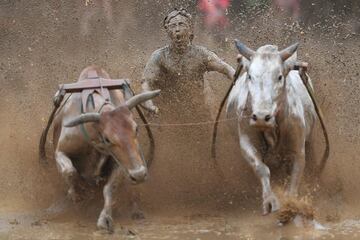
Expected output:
(59, 96)
(325, 157)
(327, 148)
(42, 152)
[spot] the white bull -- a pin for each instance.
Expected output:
(274, 111)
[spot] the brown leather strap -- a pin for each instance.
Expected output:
(214, 135)
(85, 94)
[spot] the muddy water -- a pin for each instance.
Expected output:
(227, 226)
(38, 53)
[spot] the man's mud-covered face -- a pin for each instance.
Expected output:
(179, 31)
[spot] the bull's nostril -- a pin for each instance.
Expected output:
(138, 175)
(254, 117)
(267, 118)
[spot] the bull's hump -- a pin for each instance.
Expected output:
(267, 49)
(93, 72)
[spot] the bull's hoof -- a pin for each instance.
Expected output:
(105, 222)
(270, 204)
(137, 215)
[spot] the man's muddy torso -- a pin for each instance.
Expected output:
(181, 81)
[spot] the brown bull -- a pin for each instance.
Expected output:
(99, 141)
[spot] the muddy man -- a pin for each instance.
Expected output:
(178, 69)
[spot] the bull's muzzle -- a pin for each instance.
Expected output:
(262, 119)
(138, 175)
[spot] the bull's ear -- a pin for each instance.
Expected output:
(244, 50)
(246, 63)
(142, 97)
(83, 118)
(243, 61)
(290, 63)
(238, 97)
(299, 64)
(288, 52)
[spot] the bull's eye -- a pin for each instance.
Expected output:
(280, 78)
(106, 140)
(249, 77)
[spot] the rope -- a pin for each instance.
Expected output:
(188, 124)
(305, 79)
(214, 136)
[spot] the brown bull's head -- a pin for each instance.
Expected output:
(119, 132)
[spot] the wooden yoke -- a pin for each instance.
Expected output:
(92, 84)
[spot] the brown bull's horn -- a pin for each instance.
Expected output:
(83, 118)
(244, 50)
(287, 52)
(142, 97)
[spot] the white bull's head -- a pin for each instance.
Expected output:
(267, 69)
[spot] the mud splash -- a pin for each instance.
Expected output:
(293, 208)
(40, 53)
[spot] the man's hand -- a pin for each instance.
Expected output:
(238, 58)
(149, 106)
(154, 109)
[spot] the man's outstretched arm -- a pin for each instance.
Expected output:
(214, 63)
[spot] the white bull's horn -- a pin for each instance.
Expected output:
(142, 97)
(244, 50)
(83, 118)
(287, 52)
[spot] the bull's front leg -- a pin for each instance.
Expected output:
(105, 220)
(99, 168)
(253, 157)
(69, 173)
(296, 145)
(297, 172)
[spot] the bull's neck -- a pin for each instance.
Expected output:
(276, 133)
(91, 133)
(105, 106)
(283, 107)
(100, 104)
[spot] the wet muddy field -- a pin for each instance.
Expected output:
(46, 43)
(170, 225)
